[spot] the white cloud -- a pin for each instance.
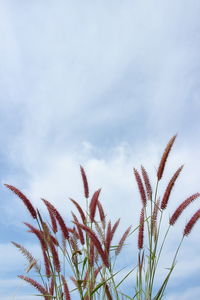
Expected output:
(73, 68)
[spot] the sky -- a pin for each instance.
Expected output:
(104, 84)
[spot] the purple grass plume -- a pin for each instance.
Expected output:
(85, 182)
(140, 187)
(164, 157)
(26, 201)
(170, 187)
(141, 230)
(147, 182)
(191, 223)
(182, 207)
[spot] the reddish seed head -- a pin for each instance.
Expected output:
(66, 290)
(55, 256)
(100, 231)
(52, 286)
(101, 213)
(26, 201)
(54, 240)
(79, 210)
(108, 237)
(114, 228)
(91, 256)
(147, 182)
(32, 261)
(53, 220)
(85, 182)
(46, 264)
(181, 208)
(191, 223)
(140, 187)
(141, 230)
(169, 188)
(93, 204)
(164, 157)
(110, 234)
(155, 215)
(121, 242)
(37, 285)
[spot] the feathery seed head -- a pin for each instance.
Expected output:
(169, 188)
(140, 187)
(182, 207)
(32, 261)
(66, 289)
(147, 182)
(101, 213)
(191, 223)
(164, 157)
(141, 230)
(93, 204)
(37, 285)
(121, 242)
(79, 210)
(85, 182)
(26, 201)
(56, 261)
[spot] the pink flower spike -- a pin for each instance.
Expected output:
(121, 242)
(147, 182)
(169, 188)
(108, 237)
(46, 264)
(85, 182)
(53, 220)
(191, 223)
(37, 285)
(101, 213)
(181, 208)
(79, 210)
(140, 187)
(66, 289)
(56, 261)
(141, 230)
(26, 201)
(164, 157)
(93, 204)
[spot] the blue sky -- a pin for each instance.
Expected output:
(104, 84)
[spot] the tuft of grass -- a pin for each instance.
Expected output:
(83, 252)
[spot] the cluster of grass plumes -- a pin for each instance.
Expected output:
(84, 254)
(153, 209)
